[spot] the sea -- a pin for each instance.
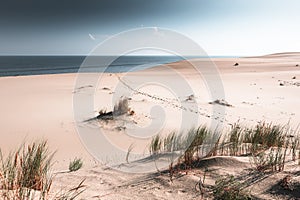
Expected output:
(37, 65)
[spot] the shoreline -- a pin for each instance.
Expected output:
(287, 60)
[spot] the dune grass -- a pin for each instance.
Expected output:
(26, 174)
(267, 144)
(26, 171)
(156, 145)
(121, 107)
(75, 164)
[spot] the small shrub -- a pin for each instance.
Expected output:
(75, 165)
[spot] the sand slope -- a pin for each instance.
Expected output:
(37, 107)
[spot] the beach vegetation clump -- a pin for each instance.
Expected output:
(25, 171)
(264, 136)
(190, 144)
(193, 143)
(268, 147)
(26, 174)
(265, 143)
(272, 160)
(75, 164)
(120, 108)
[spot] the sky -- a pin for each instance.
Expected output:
(220, 27)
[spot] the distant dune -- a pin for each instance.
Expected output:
(291, 55)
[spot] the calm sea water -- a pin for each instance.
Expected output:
(35, 65)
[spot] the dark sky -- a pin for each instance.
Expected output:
(28, 25)
(41, 13)
(75, 27)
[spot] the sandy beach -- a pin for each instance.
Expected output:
(40, 107)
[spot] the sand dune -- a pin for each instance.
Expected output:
(36, 107)
(285, 55)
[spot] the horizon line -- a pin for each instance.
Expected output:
(221, 55)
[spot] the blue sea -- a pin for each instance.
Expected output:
(36, 65)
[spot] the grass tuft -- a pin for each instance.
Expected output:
(156, 145)
(75, 165)
(120, 108)
(25, 171)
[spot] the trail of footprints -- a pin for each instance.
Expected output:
(201, 111)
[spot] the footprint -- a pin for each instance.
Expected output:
(181, 192)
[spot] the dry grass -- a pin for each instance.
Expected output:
(26, 171)
(266, 143)
(120, 108)
(26, 174)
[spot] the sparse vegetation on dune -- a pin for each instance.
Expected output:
(268, 146)
(266, 143)
(25, 171)
(26, 174)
